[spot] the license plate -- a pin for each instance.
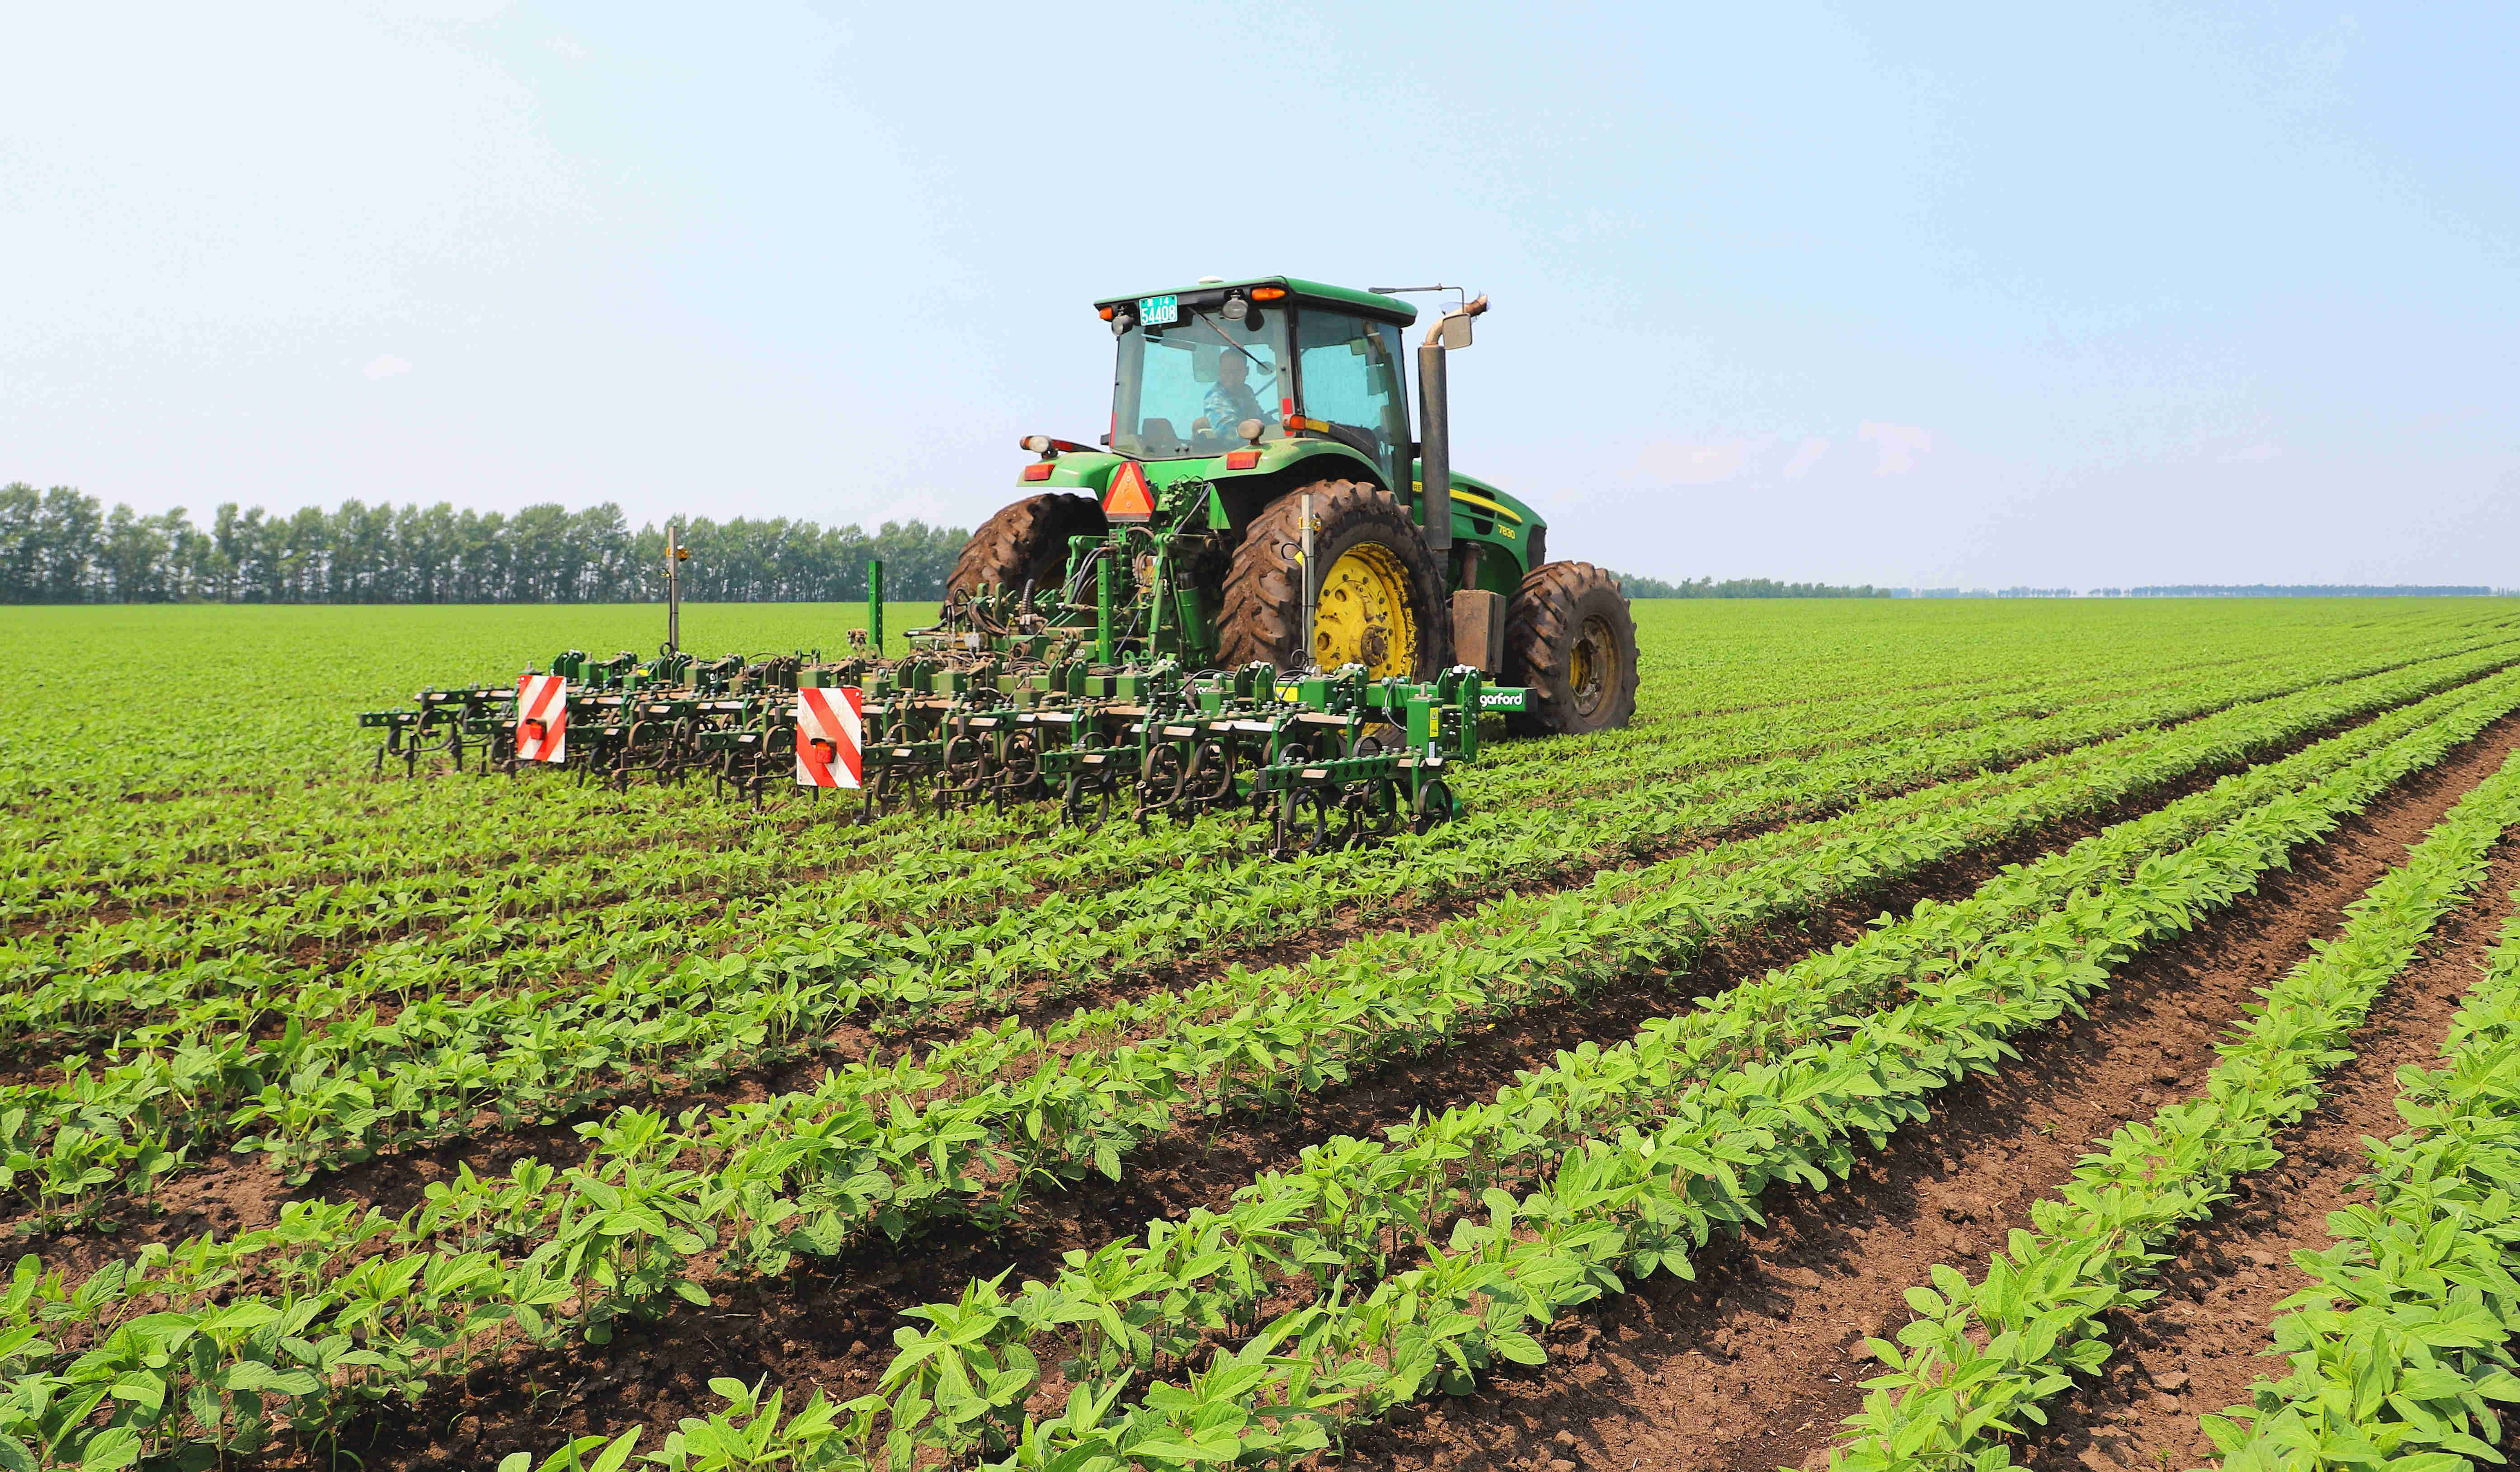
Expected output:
(1156, 311)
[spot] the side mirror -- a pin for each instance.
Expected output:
(1453, 332)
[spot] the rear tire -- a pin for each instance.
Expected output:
(1263, 615)
(1025, 542)
(1570, 640)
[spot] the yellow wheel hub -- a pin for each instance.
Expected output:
(1593, 665)
(1363, 615)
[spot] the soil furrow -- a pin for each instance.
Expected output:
(1836, 1260)
(1754, 1365)
(230, 1193)
(2198, 1346)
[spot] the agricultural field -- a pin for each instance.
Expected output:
(2072, 1035)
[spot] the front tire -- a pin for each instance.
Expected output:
(1380, 597)
(1570, 640)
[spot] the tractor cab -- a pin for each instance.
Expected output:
(1226, 367)
(1261, 497)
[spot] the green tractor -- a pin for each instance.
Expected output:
(1259, 595)
(1260, 499)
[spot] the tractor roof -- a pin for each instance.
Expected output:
(1211, 293)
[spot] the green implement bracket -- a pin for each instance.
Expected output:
(875, 606)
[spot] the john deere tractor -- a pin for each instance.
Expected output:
(1260, 593)
(1260, 433)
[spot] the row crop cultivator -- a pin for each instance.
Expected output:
(1262, 592)
(1324, 759)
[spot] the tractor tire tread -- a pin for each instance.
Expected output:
(1023, 539)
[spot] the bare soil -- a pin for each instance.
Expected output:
(2200, 1346)
(1754, 1365)
(230, 1193)
(829, 1324)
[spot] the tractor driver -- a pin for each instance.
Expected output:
(1230, 399)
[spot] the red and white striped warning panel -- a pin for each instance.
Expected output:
(827, 732)
(542, 718)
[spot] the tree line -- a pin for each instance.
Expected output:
(2304, 590)
(61, 547)
(1644, 587)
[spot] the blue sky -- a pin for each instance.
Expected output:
(1921, 296)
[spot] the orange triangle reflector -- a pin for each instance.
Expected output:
(1128, 496)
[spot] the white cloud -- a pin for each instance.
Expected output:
(1898, 445)
(1806, 455)
(2255, 455)
(386, 365)
(1700, 464)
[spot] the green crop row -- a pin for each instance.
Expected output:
(1228, 1038)
(1980, 1358)
(203, 1013)
(623, 1226)
(327, 835)
(2402, 1344)
(268, 688)
(510, 919)
(161, 863)
(1632, 1203)
(326, 829)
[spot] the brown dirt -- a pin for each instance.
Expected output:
(1755, 1364)
(230, 1193)
(2198, 1347)
(829, 1324)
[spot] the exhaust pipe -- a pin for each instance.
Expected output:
(1435, 422)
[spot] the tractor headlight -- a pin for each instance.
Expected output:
(1236, 308)
(1121, 321)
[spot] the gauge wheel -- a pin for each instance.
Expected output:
(1571, 642)
(1025, 542)
(1379, 600)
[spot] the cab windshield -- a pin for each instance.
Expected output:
(1183, 386)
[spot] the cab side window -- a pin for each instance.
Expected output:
(1349, 370)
